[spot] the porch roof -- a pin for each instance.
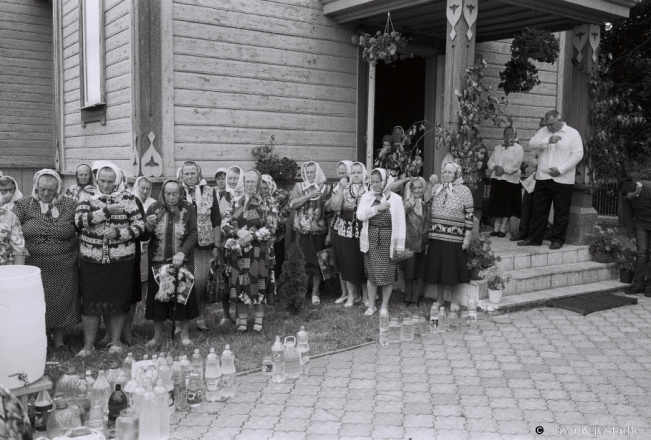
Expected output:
(496, 19)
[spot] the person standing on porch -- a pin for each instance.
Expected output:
(636, 213)
(505, 199)
(84, 177)
(561, 149)
(308, 200)
(202, 197)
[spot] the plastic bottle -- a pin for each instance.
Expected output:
(42, 409)
(83, 387)
(213, 377)
(303, 349)
(127, 423)
(443, 320)
(229, 387)
(453, 317)
(122, 379)
(278, 360)
(137, 397)
(165, 374)
(117, 402)
(463, 318)
(96, 414)
(384, 329)
(73, 403)
(186, 368)
(195, 390)
(90, 379)
(101, 392)
(472, 314)
(67, 384)
(197, 363)
(112, 375)
(394, 331)
(128, 364)
(267, 366)
(180, 391)
(292, 362)
(62, 418)
(149, 420)
(434, 319)
(407, 330)
(163, 409)
(162, 360)
(417, 327)
(170, 360)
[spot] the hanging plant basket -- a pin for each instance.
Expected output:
(387, 46)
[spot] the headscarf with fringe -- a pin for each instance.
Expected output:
(456, 180)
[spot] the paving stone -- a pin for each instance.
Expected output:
(382, 432)
(428, 434)
(292, 424)
(324, 427)
(356, 430)
(391, 419)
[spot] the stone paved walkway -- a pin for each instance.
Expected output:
(573, 376)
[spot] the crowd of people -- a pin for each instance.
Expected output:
(98, 242)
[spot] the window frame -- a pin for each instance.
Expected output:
(84, 104)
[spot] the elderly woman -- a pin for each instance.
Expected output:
(277, 200)
(48, 221)
(171, 228)
(202, 197)
(381, 238)
(417, 219)
(235, 182)
(308, 200)
(391, 156)
(249, 248)
(343, 173)
(349, 259)
(9, 192)
(505, 199)
(451, 223)
(84, 177)
(224, 197)
(12, 241)
(110, 222)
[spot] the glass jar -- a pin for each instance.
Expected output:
(267, 366)
(127, 423)
(62, 418)
(98, 426)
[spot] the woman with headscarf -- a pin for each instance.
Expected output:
(382, 237)
(349, 259)
(171, 227)
(84, 177)
(249, 252)
(417, 218)
(235, 182)
(392, 155)
(308, 200)
(202, 197)
(110, 221)
(277, 200)
(505, 200)
(343, 173)
(451, 223)
(48, 222)
(224, 197)
(12, 241)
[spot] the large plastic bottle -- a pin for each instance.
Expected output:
(434, 319)
(213, 377)
(292, 362)
(186, 368)
(163, 408)
(117, 402)
(472, 314)
(303, 349)
(122, 379)
(128, 364)
(112, 375)
(138, 395)
(384, 329)
(62, 418)
(180, 391)
(195, 390)
(229, 387)
(444, 323)
(89, 378)
(101, 392)
(197, 363)
(407, 330)
(165, 374)
(67, 384)
(42, 409)
(149, 420)
(277, 360)
(453, 317)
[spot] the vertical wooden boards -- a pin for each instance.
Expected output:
(362, 106)
(247, 70)
(26, 85)
(431, 104)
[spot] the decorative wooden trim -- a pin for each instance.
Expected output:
(579, 39)
(370, 117)
(93, 114)
(135, 86)
(102, 60)
(594, 37)
(470, 15)
(453, 13)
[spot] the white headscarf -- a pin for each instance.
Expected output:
(119, 182)
(196, 189)
(319, 178)
(364, 185)
(52, 206)
(457, 179)
(387, 180)
(409, 195)
(135, 190)
(238, 191)
(17, 194)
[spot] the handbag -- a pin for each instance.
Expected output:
(215, 292)
(401, 256)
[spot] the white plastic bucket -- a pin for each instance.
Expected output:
(23, 339)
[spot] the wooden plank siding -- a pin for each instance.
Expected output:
(245, 70)
(112, 141)
(526, 109)
(26, 88)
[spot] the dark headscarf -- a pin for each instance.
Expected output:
(174, 210)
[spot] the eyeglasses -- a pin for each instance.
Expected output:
(7, 191)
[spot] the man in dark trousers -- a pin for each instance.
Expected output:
(561, 149)
(636, 212)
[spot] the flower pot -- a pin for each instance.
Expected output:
(494, 296)
(626, 276)
(601, 257)
(474, 275)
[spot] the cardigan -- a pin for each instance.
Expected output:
(508, 158)
(366, 211)
(168, 237)
(451, 215)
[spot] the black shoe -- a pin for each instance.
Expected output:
(555, 246)
(518, 237)
(647, 294)
(528, 242)
(501, 234)
(493, 233)
(637, 288)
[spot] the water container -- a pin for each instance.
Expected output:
(128, 364)
(278, 361)
(165, 374)
(149, 420)
(443, 320)
(417, 327)
(453, 318)
(229, 386)
(62, 418)
(292, 362)
(384, 329)
(463, 318)
(112, 375)
(407, 330)
(163, 409)
(67, 384)
(23, 345)
(213, 376)
(303, 349)
(42, 408)
(472, 314)
(197, 363)
(180, 391)
(117, 402)
(89, 378)
(186, 368)
(195, 390)
(101, 392)
(394, 331)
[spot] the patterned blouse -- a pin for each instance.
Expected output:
(278, 204)
(93, 219)
(12, 241)
(75, 191)
(346, 223)
(46, 235)
(208, 215)
(169, 237)
(451, 214)
(311, 218)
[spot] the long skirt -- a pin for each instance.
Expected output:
(251, 276)
(446, 263)
(311, 244)
(202, 261)
(349, 260)
(106, 288)
(505, 199)
(136, 288)
(60, 276)
(380, 270)
(162, 311)
(414, 267)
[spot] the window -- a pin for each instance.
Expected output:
(91, 53)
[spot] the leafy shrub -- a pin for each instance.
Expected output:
(480, 254)
(293, 280)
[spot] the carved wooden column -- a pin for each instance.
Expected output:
(459, 55)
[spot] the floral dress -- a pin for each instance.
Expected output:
(12, 241)
(249, 264)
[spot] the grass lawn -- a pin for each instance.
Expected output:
(330, 326)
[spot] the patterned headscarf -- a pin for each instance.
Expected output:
(319, 178)
(266, 178)
(456, 180)
(48, 207)
(173, 209)
(119, 182)
(238, 191)
(409, 195)
(357, 189)
(194, 189)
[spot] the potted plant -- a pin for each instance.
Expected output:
(281, 169)
(496, 284)
(480, 256)
(604, 249)
(625, 262)
(387, 46)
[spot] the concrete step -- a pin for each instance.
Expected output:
(515, 258)
(539, 298)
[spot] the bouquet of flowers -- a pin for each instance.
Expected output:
(264, 234)
(232, 245)
(171, 280)
(480, 254)
(496, 278)
(625, 259)
(386, 46)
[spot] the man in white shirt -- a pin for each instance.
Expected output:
(561, 149)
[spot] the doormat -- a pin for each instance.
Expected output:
(590, 303)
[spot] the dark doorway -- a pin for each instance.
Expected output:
(399, 97)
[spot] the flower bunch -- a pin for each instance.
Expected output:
(268, 162)
(625, 259)
(480, 254)
(264, 234)
(384, 46)
(496, 278)
(232, 245)
(605, 243)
